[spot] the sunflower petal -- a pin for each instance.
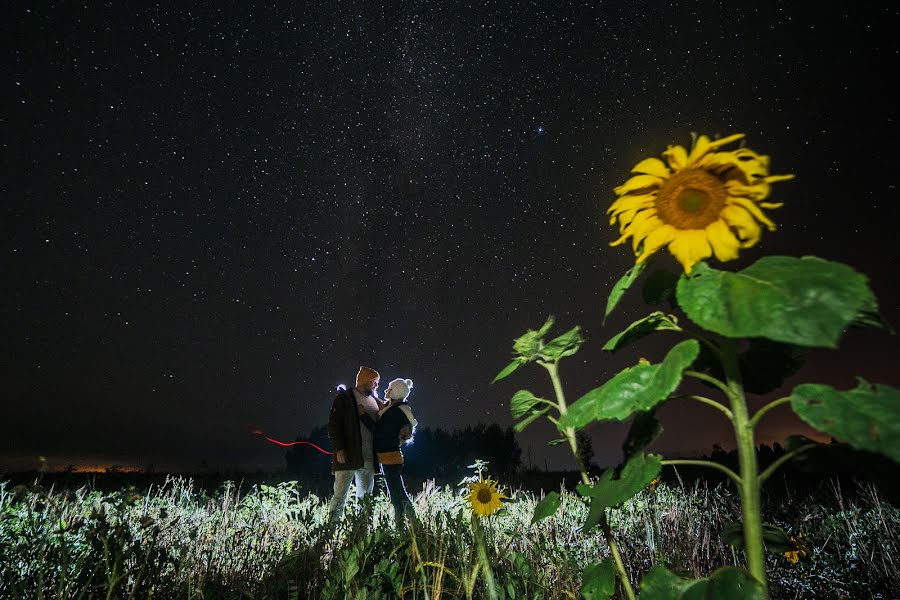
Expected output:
(656, 239)
(758, 191)
(726, 140)
(677, 157)
(774, 178)
(724, 243)
(652, 166)
(627, 202)
(641, 227)
(754, 210)
(638, 182)
(748, 230)
(689, 247)
(701, 147)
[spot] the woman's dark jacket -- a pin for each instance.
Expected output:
(386, 430)
(343, 431)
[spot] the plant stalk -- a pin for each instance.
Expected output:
(751, 505)
(569, 432)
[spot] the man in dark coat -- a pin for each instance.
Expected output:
(354, 455)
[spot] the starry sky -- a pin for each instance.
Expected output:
(213, 213)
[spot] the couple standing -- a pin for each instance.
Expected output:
(366, 432)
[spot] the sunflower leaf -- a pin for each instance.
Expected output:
(508, 370)
(621, 286)
(565, 345)
(599, 581)
(611, 491)
(546, 507)
(531, 418)
(529, 344)
(655, 321)
(522, 402)
(644, 429)
(659, 286)
(805, 301)
(637, 388)
(727, 582)
(866, 417)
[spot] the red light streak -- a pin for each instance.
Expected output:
(289, 444)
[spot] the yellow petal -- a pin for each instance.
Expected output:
(701, 147)
(774, 178)
(758, 191)
(726, 140)
(771, 205)
(689, 247)
(627, 202)
(625, 218)
(753, 209)
(638, 182)
(677, 157)
(656, 239)
(642, 225)
(747, 228)
(652, 166)
(724, 244)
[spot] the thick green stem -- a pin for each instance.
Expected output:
(746, 449)
(569, 432)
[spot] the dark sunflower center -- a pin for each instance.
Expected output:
(691, 199)
(484, 495)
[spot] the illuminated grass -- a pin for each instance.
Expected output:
(177, 541)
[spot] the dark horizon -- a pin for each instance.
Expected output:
(213, 216)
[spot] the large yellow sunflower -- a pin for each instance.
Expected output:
(703, 202)
(485, 497)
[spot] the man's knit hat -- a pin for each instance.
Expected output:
(366, 375)
(401, 389)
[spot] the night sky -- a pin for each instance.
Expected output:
(212, 215)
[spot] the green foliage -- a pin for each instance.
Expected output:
(659, 286)
(866, 417)
(774, 537)
(599, 582)
(637, 388)
(529, 344)
(621, 286)
(565, 345)
(546, 507)
(728, 582)
(655, 321)
(644, 429)
(805, 301)
(509, 370)
(612, 490)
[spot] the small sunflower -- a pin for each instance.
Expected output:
(799, 551)
(703, 202)
(485, 497)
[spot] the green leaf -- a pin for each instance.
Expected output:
(621, 287)
(599, 581)
(870, 317)
(766, 364)
(565, 345)
(528, 345)
(805, 301)
(522, 402)
(644, 429)
(775, 539)
(508, 370)
(661, 584)
(637, 388)
(728, 582)
(655, 321)
(546, 507)
(531, 418)
(611, 491)
(659, 286)
(866, 417)
(557, 442)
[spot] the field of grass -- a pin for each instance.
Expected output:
(178, 541)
